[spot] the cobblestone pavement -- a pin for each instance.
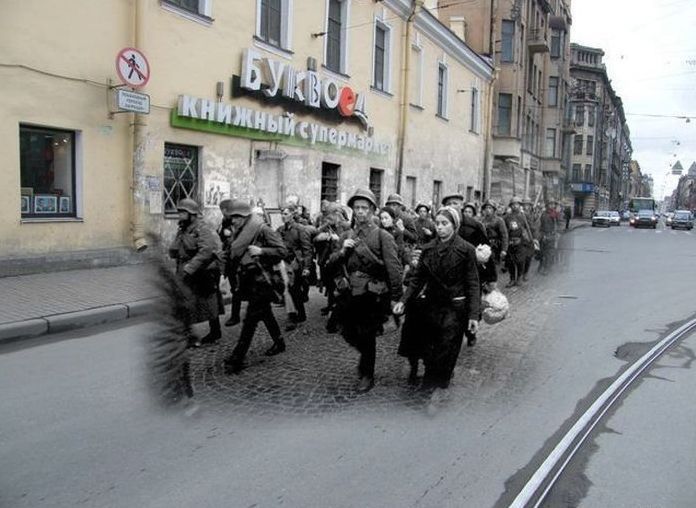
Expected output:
(317, 374)
(46, 294)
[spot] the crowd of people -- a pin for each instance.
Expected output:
(425, 271)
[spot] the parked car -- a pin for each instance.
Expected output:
(682, 219)
(615, 218)
(602, 218)
(644, 218)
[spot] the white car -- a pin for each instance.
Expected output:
(615, 218)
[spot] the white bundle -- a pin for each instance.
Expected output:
(483, 253)
(496, 307)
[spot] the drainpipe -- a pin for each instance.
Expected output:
(405, 74)
(138, 144)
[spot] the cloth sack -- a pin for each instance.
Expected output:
(496, 307)
(483, 254)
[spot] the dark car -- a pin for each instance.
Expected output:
(602, 218)
(682, 219)
(644, 218)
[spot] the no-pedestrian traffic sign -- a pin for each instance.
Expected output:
(132, 67)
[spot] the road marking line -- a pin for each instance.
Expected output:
(587, 422)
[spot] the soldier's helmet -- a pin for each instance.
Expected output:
(188, 205)
(239, 208)
(394, 199)
(363, 194)
(491, 204)
(515, 200)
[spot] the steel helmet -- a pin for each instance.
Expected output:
(515, 200)
(188, 205)
(395, 199)
(363, 194)
(455, 195)
(491, 204)
(239, 208)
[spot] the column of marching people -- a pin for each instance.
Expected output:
(431, 272)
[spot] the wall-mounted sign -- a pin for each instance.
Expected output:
(127, 100)
(277, 78)
(232, 120)
(132, 67)
(584, 188)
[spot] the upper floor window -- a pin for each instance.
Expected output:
(504, 114)
(553, 91)
(336, 35)
(442, 79)
(590, 145)
(507, 46)
(274, 22)
(198, 10)
(556, 44)
(591, 116)
(578, 142)
(381, 79)
(580, 114)
(550, 143)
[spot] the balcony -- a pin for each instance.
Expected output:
(537, 42)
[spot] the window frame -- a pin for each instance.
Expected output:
(578, 143)
(576, 172)
(195, 191)
(442, 91)
(504, 57)
(437, 192)
(325, 165)
(552, 137)
(589, 149)
(376, 189)
(76, 181)
(343, 40)
(202, 14)
(286, 15)
(386, 61)
(556, 35)
(554, 103)
(499, 131)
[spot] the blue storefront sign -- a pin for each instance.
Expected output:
(583, 188)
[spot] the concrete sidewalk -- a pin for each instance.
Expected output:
(38, 304)
(54, 302)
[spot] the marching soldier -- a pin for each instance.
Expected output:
(548, 227)
(496, 231)
(519, 238)
(369, 262)
(403, 222)
(253, 251)
(197, 251)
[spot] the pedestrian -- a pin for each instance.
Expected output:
(226, 233)
(425, 227)
(254, 250)
(325, 244)
(298, 260)
(496, 231)
(403, 221)
(519, 238)
(470, 229)
(566, 216)
(371, 273)
(198, 251)
(548, 227)
(446, 287)
(387, 219)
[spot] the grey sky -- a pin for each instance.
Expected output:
(650, 48)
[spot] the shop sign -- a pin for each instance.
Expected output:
(584, 188)
(274, 77)
(236, 120)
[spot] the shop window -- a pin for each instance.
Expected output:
(329, 181)
(376, 176)
(47, 172)
(382, 58)
(273, 22)
(180, 175)
(336, 35)
(411, 191)
(437, 193)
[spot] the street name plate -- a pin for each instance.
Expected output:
(133, 101)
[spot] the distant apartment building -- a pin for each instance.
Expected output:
(601, 148)
(529, 43)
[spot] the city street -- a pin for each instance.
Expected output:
(78, 427)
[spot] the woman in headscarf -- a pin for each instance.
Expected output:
(443, 299)
(387, 221)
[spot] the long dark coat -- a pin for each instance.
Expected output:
(443, 294)
(197, 250)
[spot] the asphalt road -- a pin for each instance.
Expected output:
(77, 428)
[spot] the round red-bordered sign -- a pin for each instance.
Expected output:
(132, 67)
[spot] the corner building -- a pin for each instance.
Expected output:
(261, 99)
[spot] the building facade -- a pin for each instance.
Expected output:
(601, 149)
(262, 100)
(529, 42)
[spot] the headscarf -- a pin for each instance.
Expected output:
(452, 215)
